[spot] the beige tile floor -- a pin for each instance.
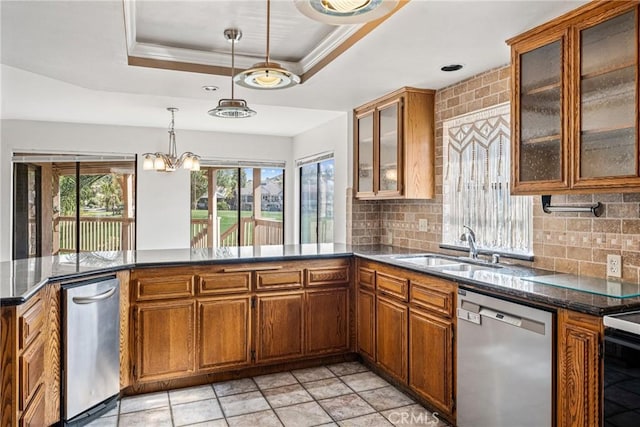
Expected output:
(344, 394)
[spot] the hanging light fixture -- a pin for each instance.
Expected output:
(169, 162)
(341, 12)
(232, 108)
(267, 75)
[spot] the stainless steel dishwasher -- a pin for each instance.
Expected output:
(91, 337)
(504, 363)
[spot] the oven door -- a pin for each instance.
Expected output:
(621, 379)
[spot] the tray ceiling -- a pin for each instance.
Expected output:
(191, 32)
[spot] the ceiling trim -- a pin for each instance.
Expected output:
(189, 60)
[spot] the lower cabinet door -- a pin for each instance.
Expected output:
(165, 344)
(366, 324)
(223, 332)
(431, 359)
(34, 415)
(280, 326)
(327, 322)
(391, 346)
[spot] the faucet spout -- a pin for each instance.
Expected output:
(470, 237)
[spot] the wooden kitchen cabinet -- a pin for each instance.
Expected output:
(431, 341)
(392, 336)
(279, 326)
(574, 102)
(579, 377)
(327, 321)
(224, 332)
(431, 359)
(366, 324)
(394, 146)
(165, 339)
(406, 327)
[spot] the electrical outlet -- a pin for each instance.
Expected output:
(423, 224)
(614, 265)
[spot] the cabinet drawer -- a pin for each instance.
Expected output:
(435, 297)
(34, 415)
(31, 372)
(169, 286)
(30, 323)
(367, 277)
(224, 283)
(391, 285)
(278, 279)
(328, 276)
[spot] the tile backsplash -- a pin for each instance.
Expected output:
(563, 242)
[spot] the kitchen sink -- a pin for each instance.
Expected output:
(427, 260)
(461, 268)
(446, 264)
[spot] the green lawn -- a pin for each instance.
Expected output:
(229, 218)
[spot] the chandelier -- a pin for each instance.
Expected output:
(169, 162)
(267, 75)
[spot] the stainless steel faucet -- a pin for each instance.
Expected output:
(470, 237)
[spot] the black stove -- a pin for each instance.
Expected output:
(622, 370)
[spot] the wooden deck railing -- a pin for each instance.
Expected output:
(252, 232)
(97, 233)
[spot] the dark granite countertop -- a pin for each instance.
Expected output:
(22, 278)
(511, 281)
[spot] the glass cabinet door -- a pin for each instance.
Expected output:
(607, 135)
(365, 153)
(540, 150)
(389, 120)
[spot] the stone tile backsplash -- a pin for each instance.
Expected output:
(563, 242)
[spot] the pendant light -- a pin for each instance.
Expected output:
(267, 75)
(345, 12)
(169, 162)
(232, 108)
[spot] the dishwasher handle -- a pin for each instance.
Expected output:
(94, 298)
(501, 317)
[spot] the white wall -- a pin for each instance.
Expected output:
(331, 136)
(163, 211)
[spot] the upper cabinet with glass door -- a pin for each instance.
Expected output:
(394, 146)
(575, 104)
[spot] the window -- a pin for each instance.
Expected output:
(62, 205)
(316, 200)
(476, 193)
(237, 206)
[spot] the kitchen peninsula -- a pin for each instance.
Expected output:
(299, 305)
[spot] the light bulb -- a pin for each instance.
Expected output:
(345, 6)
(196, 164)
(267, 80)
(188, 163)
(158, 164)
(147, 164)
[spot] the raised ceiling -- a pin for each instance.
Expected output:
(68, 60)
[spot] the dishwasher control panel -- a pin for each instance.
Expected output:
(469, 316)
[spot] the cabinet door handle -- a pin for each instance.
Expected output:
(244, 269)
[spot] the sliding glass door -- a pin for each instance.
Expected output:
(239, 206)
(68, 207)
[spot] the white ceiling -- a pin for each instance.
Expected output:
(67, 61)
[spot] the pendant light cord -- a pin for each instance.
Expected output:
(233, 62)
(268, 26)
